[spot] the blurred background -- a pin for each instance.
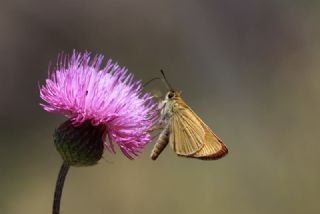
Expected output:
(249, 68)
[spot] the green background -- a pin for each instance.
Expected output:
(249, 68)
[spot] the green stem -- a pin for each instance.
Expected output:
(59, 186)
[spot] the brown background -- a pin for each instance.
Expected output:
(249, 68)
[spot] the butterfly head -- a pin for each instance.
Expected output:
(172, 94)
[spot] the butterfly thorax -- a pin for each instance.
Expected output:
(169, 105)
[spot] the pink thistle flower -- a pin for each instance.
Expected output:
(107, 96)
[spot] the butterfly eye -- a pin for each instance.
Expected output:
(170, 95)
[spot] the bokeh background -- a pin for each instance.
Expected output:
(249, 68)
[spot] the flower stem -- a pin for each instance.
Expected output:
(59, 186)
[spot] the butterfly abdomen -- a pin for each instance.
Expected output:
(161, 143)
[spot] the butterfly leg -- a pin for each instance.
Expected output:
(160, 123)
(155, 136)
(155, 128)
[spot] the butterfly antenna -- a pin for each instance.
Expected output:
(147, 83)
(165, 80)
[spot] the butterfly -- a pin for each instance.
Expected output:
(187, 134)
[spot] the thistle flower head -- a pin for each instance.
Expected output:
(106, 96)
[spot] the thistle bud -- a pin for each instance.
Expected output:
(80, 145)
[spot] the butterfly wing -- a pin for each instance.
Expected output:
(191, 137)
(186, 132)
(213, 147)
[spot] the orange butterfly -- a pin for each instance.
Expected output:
(188, 135)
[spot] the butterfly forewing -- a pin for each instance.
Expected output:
(213, 147)
(192, 137)
(187, 134)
